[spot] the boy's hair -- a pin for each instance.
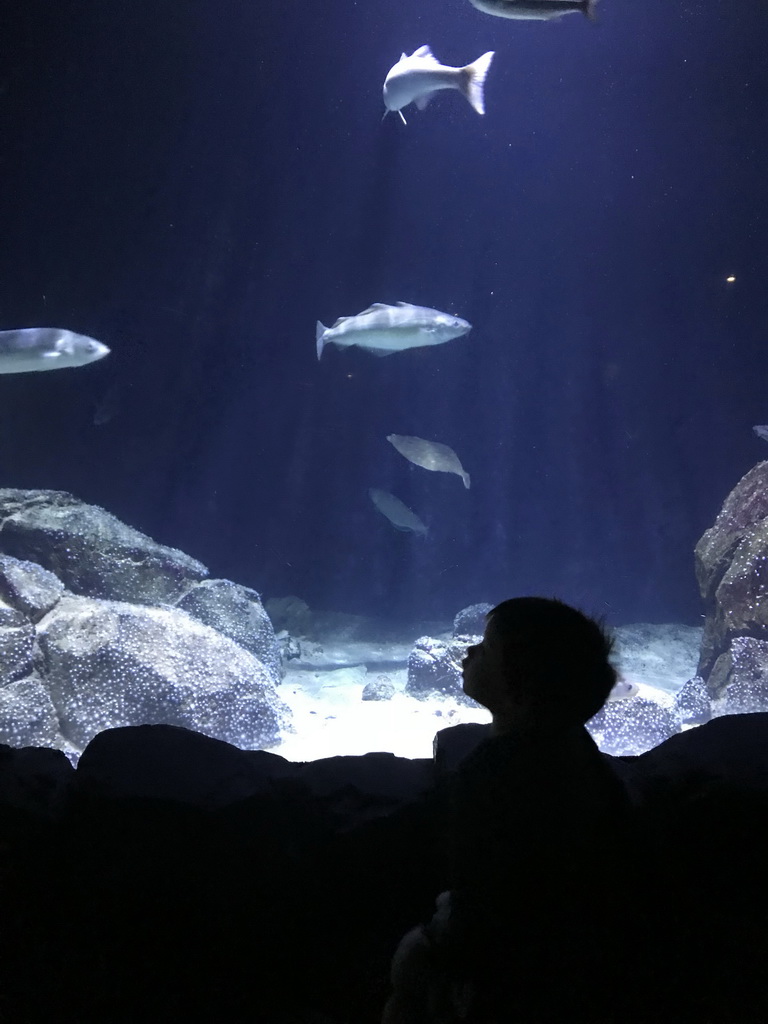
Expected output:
(558, 657)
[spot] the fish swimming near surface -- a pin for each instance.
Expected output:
(46, 348)
(535, 10)
(429, 455)
(384, 329)
(417, 78)
(396, 512)
(762, 431)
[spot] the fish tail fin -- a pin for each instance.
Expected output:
(474, 81)
(319, 332)
(589, 9)
(465, 478)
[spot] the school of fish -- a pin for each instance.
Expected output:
(383, 329)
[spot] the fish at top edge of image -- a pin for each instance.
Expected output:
(535, 10)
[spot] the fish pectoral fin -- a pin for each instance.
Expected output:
(422, 101)
(381, 351)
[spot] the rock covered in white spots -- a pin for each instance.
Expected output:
(237, 612)
(109, 663)
(91, 551)
(380, 688)
(28, 587)
(738, 683)
(434, 667)
(470, 621)
(692, 702)
(17, 644)
(27, 715)
(628, 727)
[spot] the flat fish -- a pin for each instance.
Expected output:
(396, 512)
(429, 455)
(384, 329)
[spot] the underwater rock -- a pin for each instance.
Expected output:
(27, 715)
(91, 551)
(17, 644)
(738, 683)
(732, 568)
(630, 727)
(470, 621)
(28, 587)
(692, 702)
(434, 667)
(380, 688)
(236, 612)
(109, 663)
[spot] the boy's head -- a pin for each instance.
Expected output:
(540, 660)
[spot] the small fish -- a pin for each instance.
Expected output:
(429, 455)
(46, 348)
(623, 689)
(396, 512)
(761, 431)
(417, 78)
(384, 329)
(535, 10)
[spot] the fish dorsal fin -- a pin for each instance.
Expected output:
(341, 320)
(374, 307)
(408, 305)
(424, 53)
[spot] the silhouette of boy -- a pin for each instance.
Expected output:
(538, 833)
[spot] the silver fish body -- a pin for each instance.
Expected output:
(46, 348)
(417, 78)
(401, 517)
(535, 10)
(429, 455)
(384, 329)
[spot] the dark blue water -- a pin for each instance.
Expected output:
(197, 183)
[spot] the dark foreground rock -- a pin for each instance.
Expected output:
(174, 877)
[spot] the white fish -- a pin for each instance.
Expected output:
(385, 329)
(417, 78)
(623, 689)
(535, 10)
(429, 455)
(46, 348)
(396, 512)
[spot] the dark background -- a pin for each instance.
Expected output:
(196, 182)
